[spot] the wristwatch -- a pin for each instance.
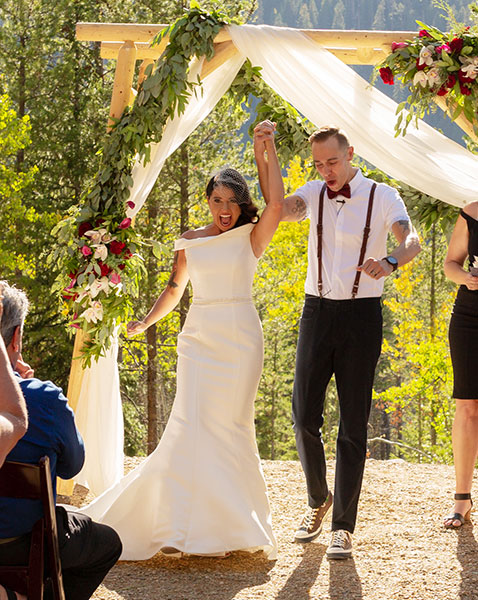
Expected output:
(392, 261)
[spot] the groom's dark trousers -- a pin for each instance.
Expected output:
(341, 337)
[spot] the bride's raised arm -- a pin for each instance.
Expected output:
(270, 179)
(169, 297)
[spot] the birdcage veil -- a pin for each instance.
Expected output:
(234, 181)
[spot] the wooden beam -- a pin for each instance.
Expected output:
(461, 121)
(331, 38)
(123, 82)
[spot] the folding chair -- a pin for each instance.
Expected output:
(20, 480)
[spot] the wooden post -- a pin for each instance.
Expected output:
(120, 99)
(123, 81)
(461, 121)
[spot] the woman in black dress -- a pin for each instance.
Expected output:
(463, 336)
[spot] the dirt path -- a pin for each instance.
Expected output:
(400, 549)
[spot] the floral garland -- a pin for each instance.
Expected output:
(435, 64)
(98, 248)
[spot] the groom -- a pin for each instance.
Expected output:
(341, 326)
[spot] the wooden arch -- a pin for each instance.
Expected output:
(128, 43)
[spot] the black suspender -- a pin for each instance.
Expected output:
(366, 233)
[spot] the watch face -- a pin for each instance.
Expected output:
(392, 260)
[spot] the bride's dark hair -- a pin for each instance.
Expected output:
(233, 180)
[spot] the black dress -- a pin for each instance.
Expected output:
(463, 332)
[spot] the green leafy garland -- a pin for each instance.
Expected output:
(98, 249)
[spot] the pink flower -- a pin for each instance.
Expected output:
(125, 223)
(444, 48)
(386, 75)
(115, 278)
(86, 251)
(424, 33)
(75, 325)
(130, 204)
(398, 46)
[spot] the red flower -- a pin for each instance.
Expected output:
(130, 204)
(125, 223)
(105, 270)
(386, 75)
(465, 90)
(86, 250)
(72, 275)
(456, 44)
(420, 67)
(127, 254)
(398, 45)
(450, 82)
(83, 228)
(68, 297)
(121, 266)
(463, 77)
(442, 91)
(99, 221)
(117, 247)
(424, 33)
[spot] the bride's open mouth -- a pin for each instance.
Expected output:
(225, 220)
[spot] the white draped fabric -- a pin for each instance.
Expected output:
(324, 90)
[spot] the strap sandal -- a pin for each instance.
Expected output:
(449, 521)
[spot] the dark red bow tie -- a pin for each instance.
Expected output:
(344, 191)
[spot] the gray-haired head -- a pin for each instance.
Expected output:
(15, 309)
(233, 180)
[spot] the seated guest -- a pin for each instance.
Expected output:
(88, 550)
(13, 412)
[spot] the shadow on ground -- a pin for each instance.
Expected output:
(192, 578)
(467, 554)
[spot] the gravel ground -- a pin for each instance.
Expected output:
(401, 552)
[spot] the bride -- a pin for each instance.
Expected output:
(202, 490)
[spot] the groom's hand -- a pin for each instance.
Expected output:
(263, 132)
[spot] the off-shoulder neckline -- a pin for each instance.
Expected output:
(185, 242)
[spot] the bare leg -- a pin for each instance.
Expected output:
(465, 451)
(3, 594)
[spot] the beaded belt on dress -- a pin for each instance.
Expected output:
(203, 301)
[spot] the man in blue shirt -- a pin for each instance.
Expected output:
(88, 550)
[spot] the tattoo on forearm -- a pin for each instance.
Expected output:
(171, 282)
(299, 209)
(405, 225)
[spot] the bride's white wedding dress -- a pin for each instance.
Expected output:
(202, 490)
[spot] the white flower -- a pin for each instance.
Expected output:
(420, 78)
(107, 237)
(470, 66)
(94, 313)
(434, 77)
(426, 55)
(99, 285)
(101, 251)
(95, 235)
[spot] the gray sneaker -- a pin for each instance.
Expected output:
(340, 545)
(311, 525)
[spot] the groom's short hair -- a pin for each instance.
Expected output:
(328, 131)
